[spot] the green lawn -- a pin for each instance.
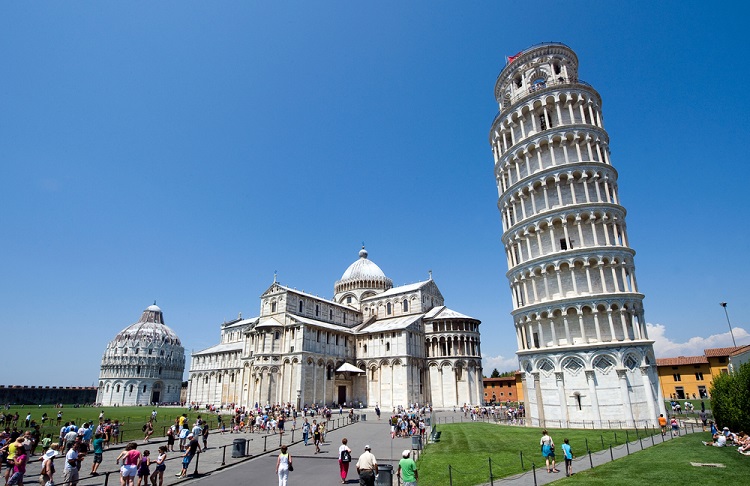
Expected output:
(469, 448)
(132, 418)
(670, 463)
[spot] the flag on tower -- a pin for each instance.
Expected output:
(510, 59)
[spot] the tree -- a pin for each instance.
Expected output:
(495, 374)
(730, 399)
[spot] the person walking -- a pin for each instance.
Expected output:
(568, 454)
(284, 465)
(193, 448)
(306, 431)
(407, 469)
(367, 467)
(548, 451)
(345, 458)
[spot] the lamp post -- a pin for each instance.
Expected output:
(724, 305)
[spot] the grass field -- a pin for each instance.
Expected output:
(131, 418)
(469, 448)
(669, 463)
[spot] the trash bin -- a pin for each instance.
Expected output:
(363, 417)
(416, 443)
(238, 448)
(385, 475)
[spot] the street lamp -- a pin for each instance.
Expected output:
(724, 305)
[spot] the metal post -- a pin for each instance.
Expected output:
(522, 468)
(724, 305)
(611, 455)
(652, 439)
(627, 436)
(602, 437)
(280, 436)
(591, 461)
(197, 456)
(292, 436)
(627, 447)
(489, 459)
(615, 437)
(450, 475)
(533, 469)
(265, 441)
(106, 478)
(224, 456)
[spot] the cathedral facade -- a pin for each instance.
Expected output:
(372, 343)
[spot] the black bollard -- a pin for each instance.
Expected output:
(489, 459)
(533, 469)
(611, 455)
(224, 456)
(265, 441)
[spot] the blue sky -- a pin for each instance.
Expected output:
(184, 151)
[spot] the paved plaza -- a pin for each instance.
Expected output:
(257, 467)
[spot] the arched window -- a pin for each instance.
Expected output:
(276, 335)
(387, 346)
(273, 306)
(364, 349)
(301, 305)
(406, 305)
(144, 388)
(131, 388)
(118, 388)
(388, 308)
(137, 370)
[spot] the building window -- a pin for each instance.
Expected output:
(349, 299)
(159, 370)
(150, 351)
(137, 370)
(388, 308)
(301, 305)
(118, 388)
(131, 388)
(329, 372)
(699, 376)
(677, 377)
(566, 244)
(276, 335)
(344, 317)
(330, 314)
(318, 336)
(406, 305)
(722, 359)
(387, 346)
(273, 306)
(219, 378)
(317, 310)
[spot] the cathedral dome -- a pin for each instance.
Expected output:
(363, 268)
(363, 274)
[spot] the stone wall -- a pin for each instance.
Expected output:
(46, 395)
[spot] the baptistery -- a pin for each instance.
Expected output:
(143, 364)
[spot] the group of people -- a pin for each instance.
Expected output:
(367, 466)
(548, 452)
(727, 438)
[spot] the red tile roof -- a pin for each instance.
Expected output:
(716, 352)
(681, 360)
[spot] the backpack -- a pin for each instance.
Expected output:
(144, 428)
(346, 456)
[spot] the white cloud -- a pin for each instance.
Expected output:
(665, 347)
(500, 362)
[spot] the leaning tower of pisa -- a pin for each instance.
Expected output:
(583, 350)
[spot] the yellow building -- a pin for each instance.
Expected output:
(690, 377)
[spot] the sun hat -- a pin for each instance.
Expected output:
(367, 447)
(406, 453)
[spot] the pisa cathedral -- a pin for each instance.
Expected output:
(372, 343)
(583, 349)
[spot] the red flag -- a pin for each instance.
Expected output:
(513, 58)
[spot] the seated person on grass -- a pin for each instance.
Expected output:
(719, 441)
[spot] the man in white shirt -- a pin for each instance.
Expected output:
(367, 467)
(70, 472)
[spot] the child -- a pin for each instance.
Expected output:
(160, 467)
(568, 453)
(46, 443)
(143, 468)
(98, 453)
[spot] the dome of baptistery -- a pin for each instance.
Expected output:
(362, 276)
(143, 364)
